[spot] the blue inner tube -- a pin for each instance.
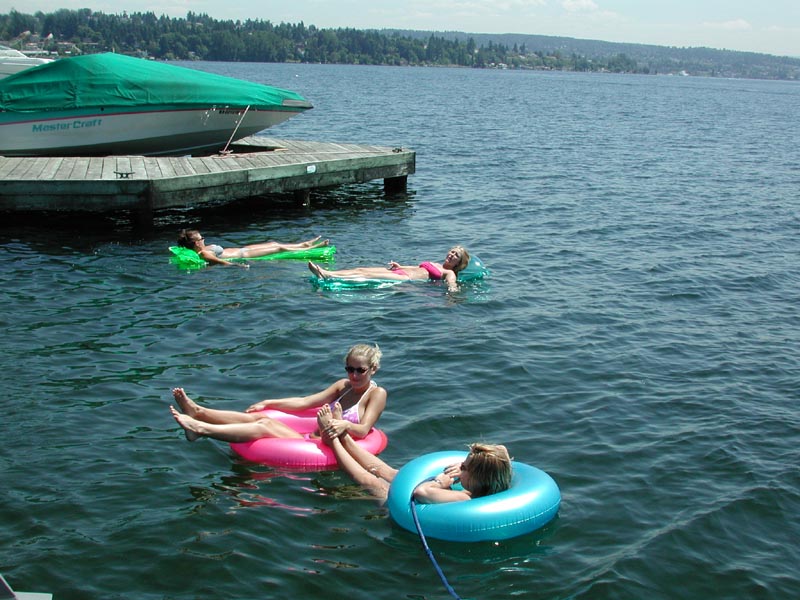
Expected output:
(474, 270)
(531, 502)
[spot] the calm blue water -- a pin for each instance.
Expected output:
(638, 341)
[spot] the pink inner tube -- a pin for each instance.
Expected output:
(307, 454)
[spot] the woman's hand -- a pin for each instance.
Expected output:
(257, 406)
(453, 472)
(393, 265)
(336, 428)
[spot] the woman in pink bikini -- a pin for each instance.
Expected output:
(360, 399)
(456, 260)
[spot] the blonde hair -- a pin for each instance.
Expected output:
(372, 354)
(489, 466)
(462, 264)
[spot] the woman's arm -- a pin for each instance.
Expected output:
(301, 402)
(451, 278)
(437, 491)
(212, 258)
(394, 266)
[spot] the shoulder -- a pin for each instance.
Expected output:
(375, 395)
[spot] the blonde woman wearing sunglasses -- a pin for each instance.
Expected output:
(358, 399)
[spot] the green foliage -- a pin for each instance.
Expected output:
(200, 37)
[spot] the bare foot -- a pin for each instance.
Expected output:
(187, 405)
(311, 243)
(337, 410)
(317, 270)
(324, 419)
(188, 423)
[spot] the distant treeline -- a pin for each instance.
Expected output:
(199, 37)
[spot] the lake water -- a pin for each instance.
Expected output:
(638, 340)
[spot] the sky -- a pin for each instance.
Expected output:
(769, 26)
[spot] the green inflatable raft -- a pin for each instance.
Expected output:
(186, 258)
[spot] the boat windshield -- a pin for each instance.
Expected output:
(6, 52)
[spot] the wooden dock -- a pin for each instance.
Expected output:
(255, 166)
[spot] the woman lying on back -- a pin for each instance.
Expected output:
(456, 260)
(217, 255)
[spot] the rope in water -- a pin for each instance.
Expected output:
(428, 551)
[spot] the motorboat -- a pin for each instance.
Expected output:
(112, 104)
(13, 61)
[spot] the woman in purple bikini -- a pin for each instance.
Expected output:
(360, 400)
(456, 260)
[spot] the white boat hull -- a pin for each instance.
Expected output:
(146, 132)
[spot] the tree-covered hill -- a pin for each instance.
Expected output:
(199, 37)
(656, 59)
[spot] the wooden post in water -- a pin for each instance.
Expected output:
(395, 185)
(143, 214)
(303, 197)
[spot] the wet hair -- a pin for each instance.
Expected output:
(462, 264)
(372, 354)
(489, 466)
(186, 238)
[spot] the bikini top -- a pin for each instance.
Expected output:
(432, 269)
(217, 250)
(351, 414)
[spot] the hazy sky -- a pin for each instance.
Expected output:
(771, 26)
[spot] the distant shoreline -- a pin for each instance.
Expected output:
(199, 37)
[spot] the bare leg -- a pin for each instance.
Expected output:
(372, 483)
(312, 243)
(364, 467)
(187, 423)
(266, 248)
(233, 432)
(358, 273)
(368, 460)
(212, 415)
(318, 271)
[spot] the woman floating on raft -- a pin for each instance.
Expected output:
(456, 260)
(217, 255)
(486, 470)
(359, 398)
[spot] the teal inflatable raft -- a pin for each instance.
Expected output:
(475, 270)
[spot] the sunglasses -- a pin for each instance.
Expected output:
(359, 370)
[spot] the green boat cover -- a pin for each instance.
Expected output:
(118, 81)
(186, 258)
